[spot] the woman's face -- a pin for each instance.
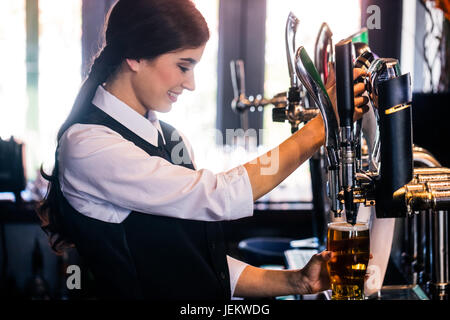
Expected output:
(157, 83)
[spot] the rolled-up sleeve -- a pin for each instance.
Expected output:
(98, 167)
(235, 268)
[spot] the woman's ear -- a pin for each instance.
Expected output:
(133, 64)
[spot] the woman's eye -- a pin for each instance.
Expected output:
(183, 69)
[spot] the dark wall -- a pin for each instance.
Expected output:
(431, 124)
(386, 41)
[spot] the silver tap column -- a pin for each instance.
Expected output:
(293, 95)
(346, 107)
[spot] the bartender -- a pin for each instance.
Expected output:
(125, 190)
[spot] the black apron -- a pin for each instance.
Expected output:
(149, 256)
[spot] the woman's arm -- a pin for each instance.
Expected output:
(258, 282)
(270, 169)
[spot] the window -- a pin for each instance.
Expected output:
(344, 20)
(58, 67)
(194, 114)
(59, 70)
(13, 100)
(59, 78)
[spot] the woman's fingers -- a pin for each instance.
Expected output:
(324, 255)
(359, 88)
(358, 72)
(361, 101)
(359, 111)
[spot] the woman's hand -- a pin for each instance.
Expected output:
(314, 277)
(361, 106)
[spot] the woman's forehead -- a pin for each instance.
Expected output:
(191, 55)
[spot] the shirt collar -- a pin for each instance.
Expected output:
(145, 127)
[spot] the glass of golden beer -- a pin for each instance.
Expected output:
(350, 245)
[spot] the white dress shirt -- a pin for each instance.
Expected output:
(105, 177)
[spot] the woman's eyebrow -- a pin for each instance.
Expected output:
(190, 60)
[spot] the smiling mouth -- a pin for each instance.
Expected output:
(173, 96)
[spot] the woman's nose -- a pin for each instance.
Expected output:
(189, 82)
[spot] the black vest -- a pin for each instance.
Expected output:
(149, 256)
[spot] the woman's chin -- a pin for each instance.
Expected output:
(167, 109)
(164, 108)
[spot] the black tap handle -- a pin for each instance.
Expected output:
(238, 77)
(344, 82)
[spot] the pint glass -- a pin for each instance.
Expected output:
(350, 245)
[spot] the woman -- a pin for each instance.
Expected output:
(145, 222)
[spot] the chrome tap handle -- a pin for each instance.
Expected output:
(323, 51)
(238, 81)
(310, 79)
(291, 30)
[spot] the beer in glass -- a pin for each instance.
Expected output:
(350, 245)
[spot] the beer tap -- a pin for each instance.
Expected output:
(323, 51)
(293, 96)
(348, 184)
(290, 33)
(323, 60)
(393, 185)
(288, 105)
(241, 103)
(346, 107)
(310, 78)
(350, 134)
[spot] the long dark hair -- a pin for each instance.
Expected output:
(135, 29)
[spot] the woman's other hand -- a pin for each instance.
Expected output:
(313, 278)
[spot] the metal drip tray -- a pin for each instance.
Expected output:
(394, 292)
(399, 292)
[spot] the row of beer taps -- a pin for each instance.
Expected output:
(351, 180)
(370, 161)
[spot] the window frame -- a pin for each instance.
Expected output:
(241, 36)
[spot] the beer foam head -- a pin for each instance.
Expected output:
(344, 226)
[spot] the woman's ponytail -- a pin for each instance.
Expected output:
(104, 65)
